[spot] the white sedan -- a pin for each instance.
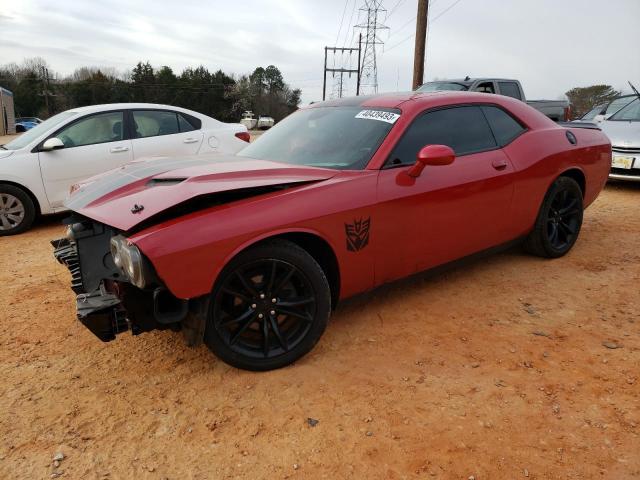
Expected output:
(38, 168)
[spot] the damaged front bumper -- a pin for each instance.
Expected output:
(115, 307)
(100, 311)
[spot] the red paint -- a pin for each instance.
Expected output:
(418, 219)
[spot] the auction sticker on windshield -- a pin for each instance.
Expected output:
(379, 115)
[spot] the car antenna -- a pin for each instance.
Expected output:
(467, 78)
(634, 89)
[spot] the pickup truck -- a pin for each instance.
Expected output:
(556, 110)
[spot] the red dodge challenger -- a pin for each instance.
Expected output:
(251, 253)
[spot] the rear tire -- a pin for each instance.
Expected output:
(559, 221)
(270, 306)
(17, 210)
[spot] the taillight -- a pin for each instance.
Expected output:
(244, 136)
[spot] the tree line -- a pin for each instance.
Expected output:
(39, 92)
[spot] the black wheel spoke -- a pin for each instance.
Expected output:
(566, 228)
(301, 315)
(236, 293)
(241, 330)
(246, 284)
(245, 316)
(276, 330)
(296, 302)
(569, 209)
(283, 282)
(272, 278)
(265, 337)
(553, 237)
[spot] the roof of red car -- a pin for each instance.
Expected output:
(417, 101)
(395, 99)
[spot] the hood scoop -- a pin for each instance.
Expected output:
(164, 182)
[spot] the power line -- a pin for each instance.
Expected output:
(344, 11)
(395, 7)
(353, 31)
(445, 11)
(397, 30)
(430, 22)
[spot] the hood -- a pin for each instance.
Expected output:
(622, 133)
(125, 197)
(5, 153)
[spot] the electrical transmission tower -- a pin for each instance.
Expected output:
(369, 69)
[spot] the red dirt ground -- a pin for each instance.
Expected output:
(494, 370)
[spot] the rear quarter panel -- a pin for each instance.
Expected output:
(542, 155)
(189, 252)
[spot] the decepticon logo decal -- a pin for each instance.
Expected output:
(357, 234)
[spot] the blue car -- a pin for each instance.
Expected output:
(26, 123)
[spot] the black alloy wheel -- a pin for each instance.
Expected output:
(270, 306)
(564, 219)
(559, 220)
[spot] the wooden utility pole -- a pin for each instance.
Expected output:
(45, 87)
(421, 41)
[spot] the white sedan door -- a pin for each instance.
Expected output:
(93, 144)
(160, 133)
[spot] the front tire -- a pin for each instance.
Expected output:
(17, 210)
(559, 220)
(269, 307)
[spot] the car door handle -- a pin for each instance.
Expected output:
(191, 140)
(499, 164)
(119, 149)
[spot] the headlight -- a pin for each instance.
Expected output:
(129, 260)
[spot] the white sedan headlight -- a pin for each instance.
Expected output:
(128, 259)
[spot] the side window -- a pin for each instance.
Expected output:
(504, 126)
(185, 125)
(510, 89)
(101, 128)
(464, 129)
(486, 87)
(154, 123)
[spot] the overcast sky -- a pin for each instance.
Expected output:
(550, 45)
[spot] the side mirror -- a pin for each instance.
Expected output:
(52, 144)
(434, 155)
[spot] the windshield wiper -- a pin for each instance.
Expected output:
(634, 90)
(3, 147)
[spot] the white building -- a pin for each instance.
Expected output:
(7, 113)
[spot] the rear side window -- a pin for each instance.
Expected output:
(504, 126)
(185, 125)
(464, 129)
(510, 89)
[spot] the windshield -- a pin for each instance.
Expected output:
(591, 114)
(343, 138)
(630, 113)
(618, 103)
(437, 86)
(33, 134)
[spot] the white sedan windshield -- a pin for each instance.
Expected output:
(31, 135)
(630, 113)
